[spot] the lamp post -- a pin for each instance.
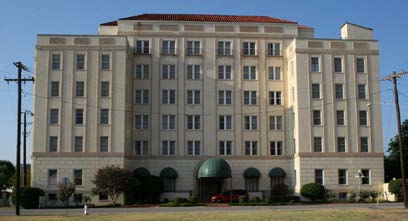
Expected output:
(359, 176)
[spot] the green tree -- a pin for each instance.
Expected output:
(65, 191)
(111, 180)
(7, 170)
(392, 166)
(313, 191)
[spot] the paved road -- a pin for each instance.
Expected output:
(6, 211)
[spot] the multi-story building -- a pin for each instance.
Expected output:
(209, 102)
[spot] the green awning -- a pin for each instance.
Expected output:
(252, 172)
(141, 172)
(215, 168)
(168, 172)
(277, 171)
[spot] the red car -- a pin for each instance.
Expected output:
(229, 195)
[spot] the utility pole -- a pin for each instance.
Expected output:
(25, 133)
(394, 77)
(19, 80)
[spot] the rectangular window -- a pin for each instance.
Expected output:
(168, 122)
(105, 89)
(142, 47)
(105, 61)
(168, 97)
(79, 116)
(249, 48)
(141, 121)
(193, 72)
(168, 71)
(193, 97)
(251, 148)
(317, 144)
(52, 177)
(276, 148)
(224, 72)
(54, 89)
(317, 120)
(103, 196)
(193, 48)
(79, 89)
(168, 147)
(274, 73)
(340, 118)
(54, 116)
(319, 176)
(56, 61)
(275, 123)
(193, 122)
(274, 49)
(103, 144)
(249, 73)
(314, 64)
(142, 71)
(53, 144)
(78, 143)
(275, 98)
(104, 117)
(341, 144)
(362, 91)
(250, 97)
(360, 65)
(316, 91)
(225, 148)
(251, 122)
(141, 147)
(363, 118)
(78, 177)
(363, 144)
(193, 147)
(169, 47)
(224, 48)
(225, 122)
(366, 176)
(80, 61)
(142, 96)
(342, 177)
(338, 67)
(224, 97)
(339, 91)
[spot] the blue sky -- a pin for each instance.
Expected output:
(22, 20)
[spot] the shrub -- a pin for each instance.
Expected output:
(268, 200)
(29, 197)
(395, 187)
(331, 195)
(313, 191)
(193, 199)
(280, 190)
(351, 196)
(242, 199)
(364, 195)
(255, 199)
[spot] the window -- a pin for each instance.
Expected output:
(193, 72)
(168, 71)
(363, 144)
(52, 177)
(79, 88)
(105, 89)
(142, 71)
(275, 122)
(53, 144)
(168, 97)
(360, 65)
(276, 148)
(54, 89)
(252, 184)
(169, 184)
(193, 147)
(168, 122)
(103, 196)
(168, 47)
(340, 118)
(224, 97)
(339, 91)
(193, 48)
(317, 144)
(224, 72)
(314, 64)
(250, 97)
(142, 96)
(317, 120)
(274, 73)
(142, 47)
(342, 176)
(362, 91)
(249, 73)
(225, 122)
(319, 176)
(363, 118)
(274, 49)
(79, 116)
(56, 61)
(193, 96)
(80, 61)
(225, 148)
(251, 122)
(168, 147)
(141, 121)
(78, 143)
(78, 177)
(341, 144)
(224, 48)
(141, 147)
(103, 144)
(316, 91)
(104, 117)
(366, 176)
(193, 122)
(54, 116)
(105, 59)
(249, 48)
(275, 98)
(251, 147)
(338, 67)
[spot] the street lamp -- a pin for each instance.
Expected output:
(359, 176)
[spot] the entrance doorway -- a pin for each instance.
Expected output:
(209, 187)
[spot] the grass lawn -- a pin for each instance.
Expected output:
(323, 215)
